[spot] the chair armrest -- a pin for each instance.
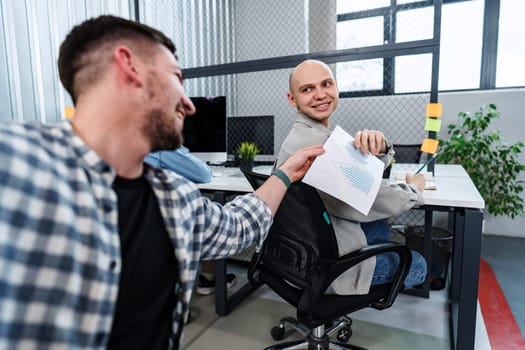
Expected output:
(338, 266)
(254, 270)
(331, 269)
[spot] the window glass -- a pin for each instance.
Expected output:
(344, 6)
(360, 33)
(360, 75)
(510, 67)
(416, 24)
(413, 73)
(460, 49)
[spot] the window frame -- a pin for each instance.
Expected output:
(489, 49)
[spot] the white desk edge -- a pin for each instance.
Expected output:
(454, 187)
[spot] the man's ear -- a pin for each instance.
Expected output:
(291, 99)
(127, 64)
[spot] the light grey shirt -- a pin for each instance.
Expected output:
(391, 200)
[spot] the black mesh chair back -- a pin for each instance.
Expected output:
(255, 179)
(294, 247)
(407, 153)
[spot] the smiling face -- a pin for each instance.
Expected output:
(166, 102)
(313, 91)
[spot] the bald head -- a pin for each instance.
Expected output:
(313, 91)
(305, 67)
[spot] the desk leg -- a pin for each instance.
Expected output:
(224, 304)
(424, 290)
(219, 196)
(427, 250)
(221, 294)
(464, 280)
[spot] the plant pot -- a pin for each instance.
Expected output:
(246, 164)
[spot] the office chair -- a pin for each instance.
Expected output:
(255, 179)
(299, 260)
(407, 153)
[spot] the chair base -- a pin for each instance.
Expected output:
(317, 338)
(307, 345)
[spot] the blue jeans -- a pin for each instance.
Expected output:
(387, 263)
(376, 231)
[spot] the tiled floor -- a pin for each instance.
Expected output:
(412, 323)
(248, 327)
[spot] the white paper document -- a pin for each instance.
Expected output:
(345, 173)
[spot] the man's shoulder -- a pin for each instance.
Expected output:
(165, 178)
(18, 129)
(31, 131)
(24, 137)
(304, 134)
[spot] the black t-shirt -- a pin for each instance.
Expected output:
(146, 299)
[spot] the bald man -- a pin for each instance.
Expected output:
(314, 94)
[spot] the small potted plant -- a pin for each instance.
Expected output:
(491, 163)
(246, 152)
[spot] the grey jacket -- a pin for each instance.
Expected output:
(391, 200)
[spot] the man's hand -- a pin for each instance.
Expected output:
(370, 141)
(418, 180)
(298, 164)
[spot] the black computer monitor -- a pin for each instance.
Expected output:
(205, 131)
(257, 129)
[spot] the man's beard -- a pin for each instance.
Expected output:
(162, 134)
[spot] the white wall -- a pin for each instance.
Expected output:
(265, 29)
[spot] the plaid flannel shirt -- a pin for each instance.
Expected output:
(59, 242)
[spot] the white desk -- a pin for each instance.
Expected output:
(441, 170)
(231, 179)
(453, 186)
(455, 193)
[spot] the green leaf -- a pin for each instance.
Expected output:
(247, 150)
(491, 163)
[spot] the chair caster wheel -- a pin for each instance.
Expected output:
(277, 333)
(344, 334)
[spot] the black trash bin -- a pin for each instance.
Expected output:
(441, 250)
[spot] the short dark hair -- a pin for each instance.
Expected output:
(93, 34)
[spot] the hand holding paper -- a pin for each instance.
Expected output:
(346, 173)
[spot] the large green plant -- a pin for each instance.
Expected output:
(491, 163)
